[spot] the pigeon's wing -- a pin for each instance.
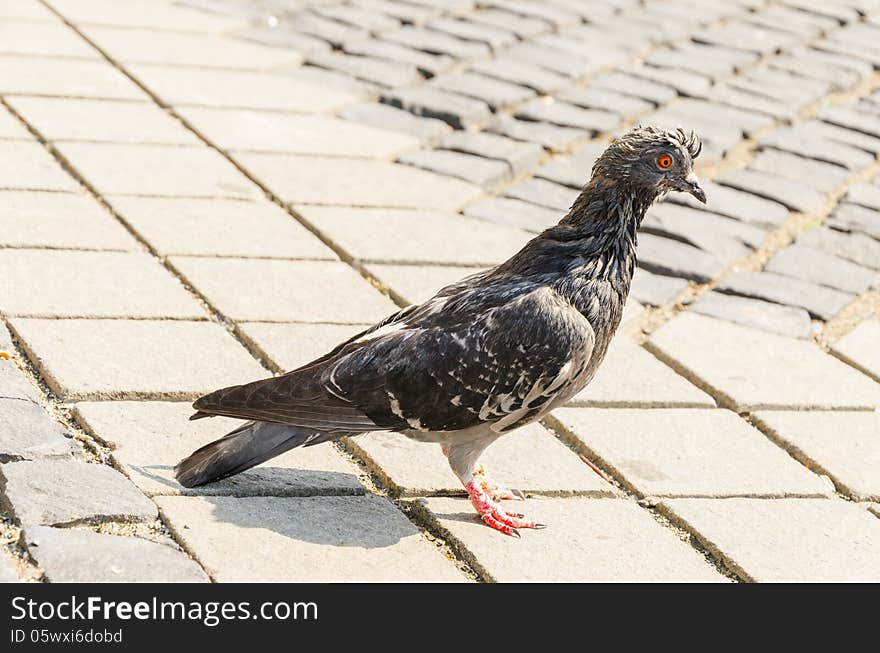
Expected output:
(449, 364)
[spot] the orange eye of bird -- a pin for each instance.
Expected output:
(664, 162)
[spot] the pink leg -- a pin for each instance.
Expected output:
(493, 489)
(494, 515)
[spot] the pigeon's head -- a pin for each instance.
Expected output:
(652, 161)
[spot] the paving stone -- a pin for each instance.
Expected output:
(703, 229)
(142, 13)
(797, 22)
(553, 59)
(60, 492)
(28, 433)
(27, 165)
(519, 157)
(810, 54)
(405, 236)
(409, 13)
(689, 452)
(851, 119)
(304, 539)
(867, 195)
(494, 37)
(855, 218)
(530, 459)
(785, 320)
(157, 170)
(457, 110)
(635, 87)
(11, 128)
(279, 36)
(520, 25)
(793, 195)
(264, 131)
(357, 182)
(550, 13)
(428, 64)
(147, 438)
(573, 171)
(787, 540)
(390, 118)
(685, 82)
(748, 122)
(44, 40)
(80, 359)
(95, 284)
(802, 144)
(543, 193)
(148, 45)
(113, 121)
(741, 35)
(415, 284)
(488, 173)
(292, 345)
(673, 258)
(514, 213)
(216, 227)
(655, 289)
(600, 540)
(630, 376)
(235, 89)
(65, 77)
(59, 220)
(842, 445)
(383, 72)
(552, 137)
(780, 86)
(74, 555)
(567, 115)
(735, 204)
(604, 100)
(436, 42)
(284, 291)
(693, 57)
(13, 383)
(522, 73)
(820, 301)
(756, 102)
(859, 348)
(748, 369)
(821, 268)
(806, 63)
(855, 247)
(821, 176)
(27, 10)
(356, 89)
(494, 92)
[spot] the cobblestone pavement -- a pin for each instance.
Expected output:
(199, 193)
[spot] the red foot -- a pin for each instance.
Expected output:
(494, 515)
(495, 491)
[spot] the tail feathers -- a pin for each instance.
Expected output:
(249, 445)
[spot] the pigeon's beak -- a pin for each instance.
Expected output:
(691, 184)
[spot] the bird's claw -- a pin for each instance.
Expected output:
(497, 492)
(494, 515)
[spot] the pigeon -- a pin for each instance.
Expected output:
(484, 356)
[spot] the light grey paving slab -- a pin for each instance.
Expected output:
(83, 359)
(59, 220)
(855, 218)
(147, 438)
(219, 227)
(689, 452)
(822, 176)
(387, 117)
(28, 165)
(157, 170)
(11, 128)
(58, 493)
(655, 289)
(786, 540)
(514, 212)
(864, 194)
(110, 121)
(794, 195)
(630, 376)
(65, 78)
(861, 347)
(28, 433)
(457, 110)
(418, 283)
(488, 173)
(393, 235)
(95, 284)
(143, 13)
(530, 459)
(820, 301)
(77, 555)
(784, 320)
(736, 204)
(842, 444)
(269, 131)
(543, 193)
(520, 157)
(305, 539)
(13, 383)
(285, 291)
(494, 92)
(824, 269)
(149, 45)
(676, 259)
(856, 247)
(586, 540)
(293, 345)
(357, 182)
(748, 369)
(236, 89)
